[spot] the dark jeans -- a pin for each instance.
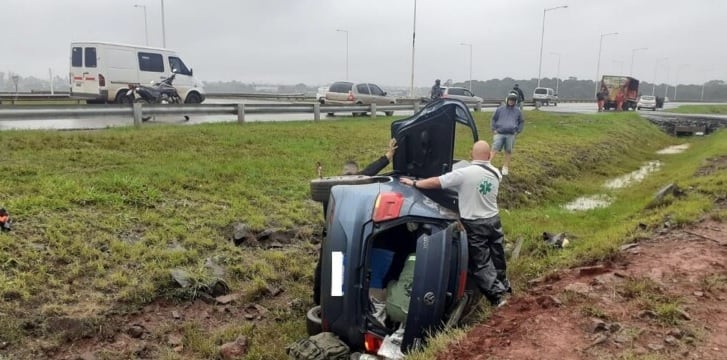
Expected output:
(487, 266)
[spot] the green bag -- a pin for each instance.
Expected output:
(398, 292)
(323, 346)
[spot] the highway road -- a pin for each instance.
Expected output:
(102, 122)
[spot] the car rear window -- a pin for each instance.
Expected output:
(90, 57)
(647, 98)
(77, 57)
(455, 91)
(541, 91)
(341, 87)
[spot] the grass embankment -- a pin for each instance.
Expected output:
(102, 217)
(701, 109)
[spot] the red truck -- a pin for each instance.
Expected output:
(627, 86)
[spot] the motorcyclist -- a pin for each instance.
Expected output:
(436, 92)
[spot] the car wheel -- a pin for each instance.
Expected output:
(388, 113)
(313, 321)
(121, 98)
(331, 114)
(320, 189)
(638, 108)
(193, 98)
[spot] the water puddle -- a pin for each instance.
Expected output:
(589, 203)
(676, 149)
(634, 176)
(601, 200)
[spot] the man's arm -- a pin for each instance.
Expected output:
(428, 183)
(495, 118)
(520, 122)
(375, 167)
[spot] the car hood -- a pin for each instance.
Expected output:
(426, 139)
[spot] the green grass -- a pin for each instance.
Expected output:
(102, 217)
(701, 109)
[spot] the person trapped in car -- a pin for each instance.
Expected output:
(477, 187)
(507, 123)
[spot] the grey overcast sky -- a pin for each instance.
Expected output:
(294, 41)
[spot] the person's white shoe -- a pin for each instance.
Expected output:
(504, 171)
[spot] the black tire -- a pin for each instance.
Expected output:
(388, 113)
(313, 321)
(121, 97)
(320, 189)
(193, 98)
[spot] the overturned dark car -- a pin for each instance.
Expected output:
(393, 265)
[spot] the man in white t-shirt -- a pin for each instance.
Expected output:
(477, 187)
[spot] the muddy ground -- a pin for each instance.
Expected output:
(660, 298)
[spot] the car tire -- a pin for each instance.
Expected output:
(121, 97)
(320, 189)
(193, 98)
(313, 321)
(388, 113)
(331, 114)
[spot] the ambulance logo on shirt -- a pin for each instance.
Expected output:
(485, 187)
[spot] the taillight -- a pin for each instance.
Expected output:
(388, 206)
(101, 80)
(350, 96)
(462, 283)
(372, 343)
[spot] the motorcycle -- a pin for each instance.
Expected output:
(162, 92)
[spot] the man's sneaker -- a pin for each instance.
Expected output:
(504, 171)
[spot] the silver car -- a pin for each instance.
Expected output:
(647, 101)
(348, 93)
(460, 93)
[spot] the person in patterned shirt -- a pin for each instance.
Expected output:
(477, 186)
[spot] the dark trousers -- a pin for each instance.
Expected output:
(487, 266)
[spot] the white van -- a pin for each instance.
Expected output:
(545, 96)
(103, 71)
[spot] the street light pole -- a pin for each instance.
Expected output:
(542, 37)
(470, 45)
(633, 52)
(164, 30)
(557, 74)
(656, 66)
(146, 27)
(598, 65)
(345, 31)
(413, 42)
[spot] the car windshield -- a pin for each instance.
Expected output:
(541, 91)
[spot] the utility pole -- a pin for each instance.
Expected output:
(164, 30)
(413, 42)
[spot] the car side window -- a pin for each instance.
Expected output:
(454, 91)
(362, 89)
(151, 62)
(341, 87)
(468, 93)
(177, 64)
(376, 90)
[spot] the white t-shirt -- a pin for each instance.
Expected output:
(476, 189)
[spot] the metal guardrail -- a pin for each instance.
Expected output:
(138, 111)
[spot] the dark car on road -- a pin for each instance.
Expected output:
(395, 250)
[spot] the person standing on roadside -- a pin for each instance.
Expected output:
(601, 99)
(520, 96)
(436, 92)
(507, 123)
(477, 187)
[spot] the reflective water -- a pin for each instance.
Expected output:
(676, 149)
(634, 176)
